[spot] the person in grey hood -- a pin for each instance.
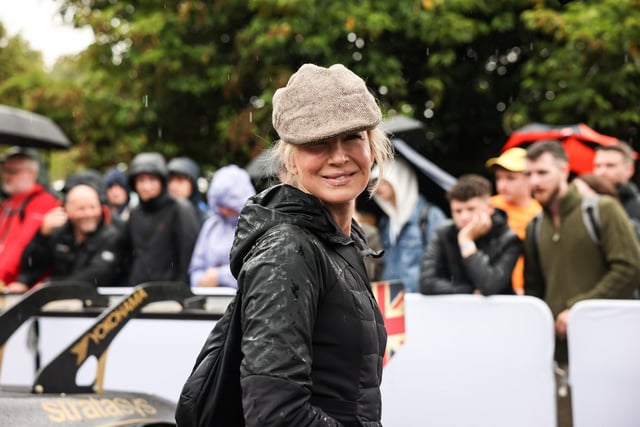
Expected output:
(229, 190)
(313, 335)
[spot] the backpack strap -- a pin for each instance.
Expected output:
(25, 202)
(351, 255)
(591, 217)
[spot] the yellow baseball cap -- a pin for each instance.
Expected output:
(512, 160)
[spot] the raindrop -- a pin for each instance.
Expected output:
(360, 43)
(250, 117)
(491, 65)
(159, 133)
(427, 51)
(406, 108)
(383, 90)
(115, 22)
(512, 57)
(626, 58)
(483, 84)
(562, 84)
(225, 38)
(357, 56)
(550, 95)
(351, 37)
(257, 102)
(145, 100)
(501, 106)
(428, 113)
(502, 70)
(429, 104)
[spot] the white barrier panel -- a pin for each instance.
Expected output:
(470, 360)
(604, 363)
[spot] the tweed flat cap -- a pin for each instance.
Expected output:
(320, 103)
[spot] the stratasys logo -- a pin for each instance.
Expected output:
(70, 409)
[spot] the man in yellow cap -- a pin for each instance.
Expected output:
(514, 197)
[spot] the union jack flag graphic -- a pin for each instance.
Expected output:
(390, 297)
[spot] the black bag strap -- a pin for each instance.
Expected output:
(351, 255)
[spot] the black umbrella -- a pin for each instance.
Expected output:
(408, 129)
(27, 129)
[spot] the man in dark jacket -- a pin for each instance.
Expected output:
(162, 230)
(615, 163)
(476, 252)
(74, 242)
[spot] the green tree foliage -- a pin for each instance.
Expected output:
(195, 77)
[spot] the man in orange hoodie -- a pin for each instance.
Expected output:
(514, 198)
(21, 214)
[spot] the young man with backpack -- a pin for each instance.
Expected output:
(564, 264)
(22, 212)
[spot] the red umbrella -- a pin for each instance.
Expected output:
(579, 141)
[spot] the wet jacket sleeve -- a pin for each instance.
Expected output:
(281, 283)
(493, 276)
(434, 276)
(36, 260)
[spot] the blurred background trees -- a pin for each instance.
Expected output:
(196, 78)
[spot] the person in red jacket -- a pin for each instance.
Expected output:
(22, 212)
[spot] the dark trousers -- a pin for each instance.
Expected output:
(563, 395)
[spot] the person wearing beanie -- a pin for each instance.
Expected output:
(407, 224)
(229, 190)
(161, 230)
(118, 195)
(75, 241)
(313, 335)
(22, 211)
(183, 183)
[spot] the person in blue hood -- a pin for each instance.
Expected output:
(229, 190)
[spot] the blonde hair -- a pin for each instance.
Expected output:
(282, 154)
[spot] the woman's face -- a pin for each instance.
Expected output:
(335, 170)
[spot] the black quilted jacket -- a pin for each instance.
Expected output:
(313, 336)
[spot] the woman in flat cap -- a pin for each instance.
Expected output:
(313, 336)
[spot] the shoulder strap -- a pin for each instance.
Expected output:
(591, 217)
(350, 254)
(26, 201)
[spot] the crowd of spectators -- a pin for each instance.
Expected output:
(120, 228)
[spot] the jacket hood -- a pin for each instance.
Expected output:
(283, 204)
(187, 167)
(231, 187)
(152, 163)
